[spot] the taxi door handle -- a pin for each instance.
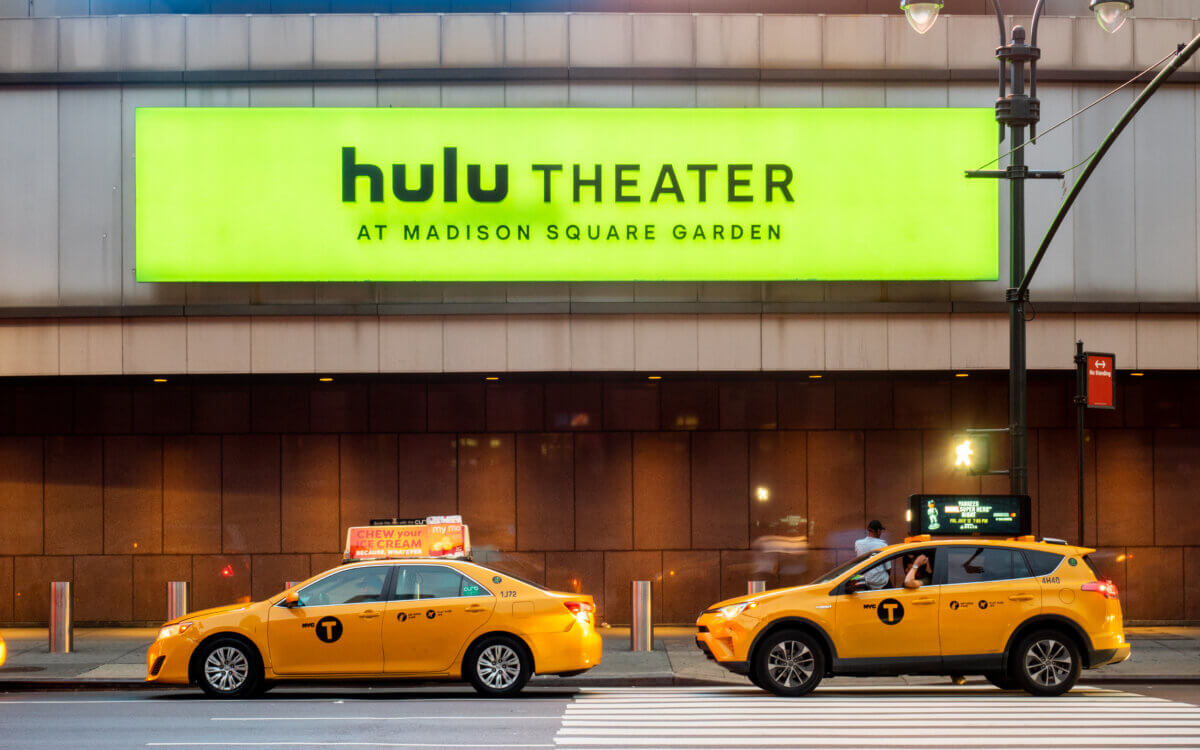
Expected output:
(368, 615)
(475, 608)
(924, 600)
(1021, 597)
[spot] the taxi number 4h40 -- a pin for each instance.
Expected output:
(394, 611)
(1023, 613)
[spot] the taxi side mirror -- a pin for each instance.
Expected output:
(855, 585)
(291, 600)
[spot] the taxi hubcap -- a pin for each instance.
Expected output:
(790, 663)
(499, 666)
(226, 669)
(1048, 663)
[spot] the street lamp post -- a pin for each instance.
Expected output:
(1017, 109)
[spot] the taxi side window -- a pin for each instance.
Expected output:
(890, 573)
(1043, 563)
(352, 586)
(982, 564)
(434, 582)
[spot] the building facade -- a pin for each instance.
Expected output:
(696, 434)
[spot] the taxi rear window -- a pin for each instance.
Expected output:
(1087, 559)
(1043, 563)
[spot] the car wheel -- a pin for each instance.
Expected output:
(1046, 663)
(1001, 680)
(789, 663)
(498, 666)
(230, 668)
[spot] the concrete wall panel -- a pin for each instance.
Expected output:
(90, 188)
(29, 197)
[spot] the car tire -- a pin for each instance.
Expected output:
(789, 663)
(498, 666)
(1001, 680)
(229, 668)
(1046, 662)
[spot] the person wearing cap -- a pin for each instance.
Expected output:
(876, 577)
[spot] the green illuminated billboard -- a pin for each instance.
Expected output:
(227, 194)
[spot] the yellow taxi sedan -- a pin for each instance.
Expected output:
(1023, 613)
(390, 619)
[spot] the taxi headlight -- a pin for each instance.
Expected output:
(733, 610)
(171, 631)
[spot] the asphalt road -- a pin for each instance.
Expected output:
(719, 717)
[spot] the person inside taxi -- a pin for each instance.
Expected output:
(918, 571)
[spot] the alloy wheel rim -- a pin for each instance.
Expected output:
(499, 666)
(226, 669)
(1048, 663)
(791, 663)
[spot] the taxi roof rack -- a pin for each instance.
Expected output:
(1022, 538)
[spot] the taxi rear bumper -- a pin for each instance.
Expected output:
(1102, 657)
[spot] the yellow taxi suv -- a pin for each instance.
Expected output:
(420, 617)
(1024, 613)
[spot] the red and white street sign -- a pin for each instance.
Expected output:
(1101, 371)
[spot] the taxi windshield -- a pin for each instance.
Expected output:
(844, 567)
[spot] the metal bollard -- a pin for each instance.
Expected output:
(756, 587)
(62, 624)
(177, 599)
(641, 628)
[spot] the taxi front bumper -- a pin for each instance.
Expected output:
(727, 642)
(167, 660)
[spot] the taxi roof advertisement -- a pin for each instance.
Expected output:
(510, 194)
(448, 540)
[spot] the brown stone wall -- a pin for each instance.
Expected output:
(238, 484)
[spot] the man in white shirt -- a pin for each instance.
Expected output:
(876, 577)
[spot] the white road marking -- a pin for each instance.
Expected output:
(426, 717)
(324, 744)
(911, 717)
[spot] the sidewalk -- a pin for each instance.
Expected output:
(115, 658)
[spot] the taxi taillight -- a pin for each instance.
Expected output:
(582, 611)
(1107, 588)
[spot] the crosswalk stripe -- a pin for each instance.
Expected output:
(667, 719)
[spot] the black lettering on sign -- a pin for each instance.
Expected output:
(329, 629)
(953, 604)
(402, 616)
(983, 604)
(431, 614)
(890, 611)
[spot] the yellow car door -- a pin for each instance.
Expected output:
(335, 626)
(989, 592)
(433, 613)
(880, 626)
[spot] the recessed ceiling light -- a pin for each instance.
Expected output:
(325, 380)
(654, 377)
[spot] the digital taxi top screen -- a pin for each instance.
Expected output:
(970, 515)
